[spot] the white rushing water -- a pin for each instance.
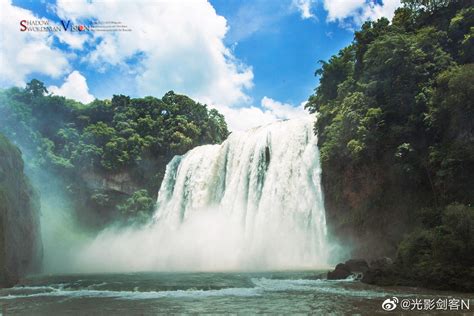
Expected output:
(254, 202)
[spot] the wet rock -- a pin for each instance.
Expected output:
(380, 272)
(381, 263)
(341, 271)
(357, 265)
(370, 276)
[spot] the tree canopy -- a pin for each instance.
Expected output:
(106, 137)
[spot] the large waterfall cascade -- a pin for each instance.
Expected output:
(266, 180)
(253, 202)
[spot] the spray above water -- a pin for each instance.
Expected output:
(252, 203)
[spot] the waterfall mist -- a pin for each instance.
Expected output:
(62, 237)
(252, 203)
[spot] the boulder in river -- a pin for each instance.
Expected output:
(341, 271)
(357, 265)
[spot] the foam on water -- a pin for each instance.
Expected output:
(262, 285)
(315, 286)
(138, 295)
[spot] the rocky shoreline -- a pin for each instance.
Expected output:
(381, 272)
(374, 272)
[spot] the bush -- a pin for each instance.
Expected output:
(138, 208)
(442, 256)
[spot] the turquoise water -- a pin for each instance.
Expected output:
(217, 293)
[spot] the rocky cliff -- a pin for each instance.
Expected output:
(395, 126)
(20, 240)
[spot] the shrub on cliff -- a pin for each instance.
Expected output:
(441, 256)
(138, 208)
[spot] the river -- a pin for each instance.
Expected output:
(283, 292)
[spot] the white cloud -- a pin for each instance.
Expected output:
(304, 7)
(240, 119)
(341, 9)
(74, 40)
(283, 111)
(175, 45)
(387, 9)
(354, 12)
(74, 87)
(25, 53)
(179, 44)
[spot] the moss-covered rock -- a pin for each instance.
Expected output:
(20, 240)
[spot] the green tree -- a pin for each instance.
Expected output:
(36, 88)
(138, 208)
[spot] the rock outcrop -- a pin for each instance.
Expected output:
(354, 267)
(20, 240)
(379, 271)
(341, 271)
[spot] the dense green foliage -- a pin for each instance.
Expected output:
(396, 133)
(441, 254)
(139, 207)
(106, 138)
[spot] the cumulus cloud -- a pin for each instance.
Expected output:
(304, 7)
(387, 9)
(25, 53)
(74, 87)
(341, 9)
(74, 40)
(352, 13)
(240, 119)
(177, 45)
(174, 45)
(283, 111)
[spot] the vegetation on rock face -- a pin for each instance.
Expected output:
(396, 135)
(139, 206)
(441, 254)
(20, 241)
(124, 142)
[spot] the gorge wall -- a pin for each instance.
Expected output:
(395, 126)
(20, 241)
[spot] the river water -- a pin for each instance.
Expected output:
(287, 292)
(253, 202)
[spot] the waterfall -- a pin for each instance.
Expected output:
(253, 202)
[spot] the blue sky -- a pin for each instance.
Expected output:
(284, 51)
(252, 60)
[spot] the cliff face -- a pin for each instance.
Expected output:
(99, 194)
(20, 240)
(369, 209)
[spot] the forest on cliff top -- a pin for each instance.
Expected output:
(87, 145)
